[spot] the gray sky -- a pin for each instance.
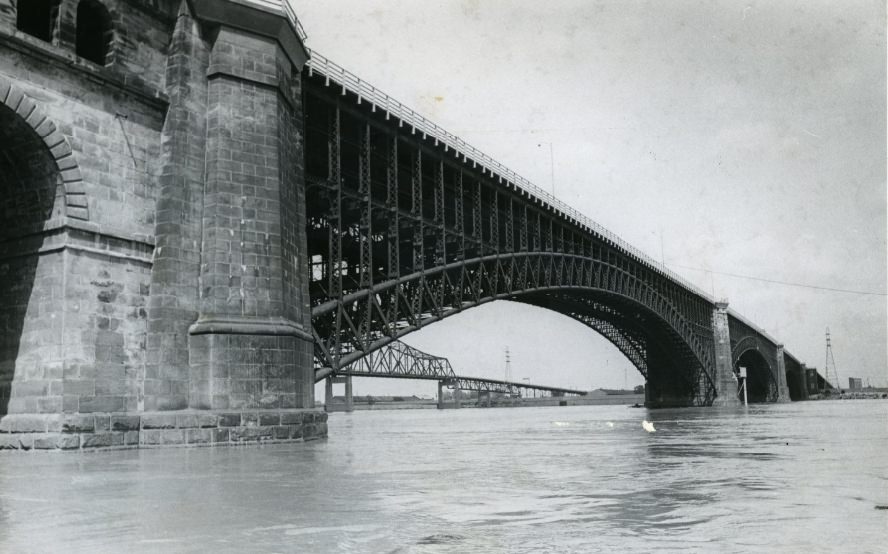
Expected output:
(739, 137)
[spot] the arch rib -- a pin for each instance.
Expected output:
(11, 96)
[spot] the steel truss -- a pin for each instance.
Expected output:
(399, 360)
(405, 230)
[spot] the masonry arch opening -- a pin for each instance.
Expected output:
(31, 276)
(760, 385)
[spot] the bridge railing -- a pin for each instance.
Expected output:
(280, 6)
(378, 99)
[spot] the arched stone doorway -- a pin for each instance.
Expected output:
(35, 162)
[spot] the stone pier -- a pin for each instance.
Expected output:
(329, 404)
(725, 383)
(153, 289)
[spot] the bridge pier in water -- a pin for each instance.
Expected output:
(725, 382)
(455, 401)
(348, 404)
(179, 304)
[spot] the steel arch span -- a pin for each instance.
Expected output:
(408, 225)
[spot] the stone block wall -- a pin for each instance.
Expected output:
(105, 324)
(249, 342)
(173, 305)
(160, 429)
(156, 250)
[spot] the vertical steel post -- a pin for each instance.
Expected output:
(394, 246)
(477, 233)
(418, 237)
(440, 230)
(365, 192)
(335, 230)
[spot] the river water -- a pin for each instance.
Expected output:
(803, 477)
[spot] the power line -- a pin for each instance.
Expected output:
(785, 283)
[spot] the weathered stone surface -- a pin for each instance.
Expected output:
(158, 421)
(188, 421)
(220, 435)
(281, 432)
(125, 423)
(198, 436)
(17, 441)
(250, 433)
(22, 424)
(46, 441)
(69, 442)
(150, 437)
(96, 440)
(122, 430)
(172, 436)
(269, 419)
(127, 188)
(291, 418)
(78, 424)
(208, 420)
(229, 420)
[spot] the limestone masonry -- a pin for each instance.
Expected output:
(153, 219)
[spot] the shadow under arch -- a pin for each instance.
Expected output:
(357, 324)
(674, 373)
(41, 129)
(31, 289)
(760, 383)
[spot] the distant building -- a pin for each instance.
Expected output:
(855, 383)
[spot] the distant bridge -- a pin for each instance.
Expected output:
(397, 360)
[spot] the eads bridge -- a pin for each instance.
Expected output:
(202, 218)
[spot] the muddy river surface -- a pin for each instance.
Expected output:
(804, 477)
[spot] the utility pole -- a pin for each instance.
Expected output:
(508, 366)
(830, 357)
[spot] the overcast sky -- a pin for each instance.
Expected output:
(726, 137)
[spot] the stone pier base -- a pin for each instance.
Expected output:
(159, 429)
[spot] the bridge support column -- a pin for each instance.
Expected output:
(349, 394)
(251, 346)
(328, 394)
(484, 399)
(782, 387)
(440, 395)
(806, 388)
(725, 383)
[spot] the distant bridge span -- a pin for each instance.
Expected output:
(397, 360)
(408, 224)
